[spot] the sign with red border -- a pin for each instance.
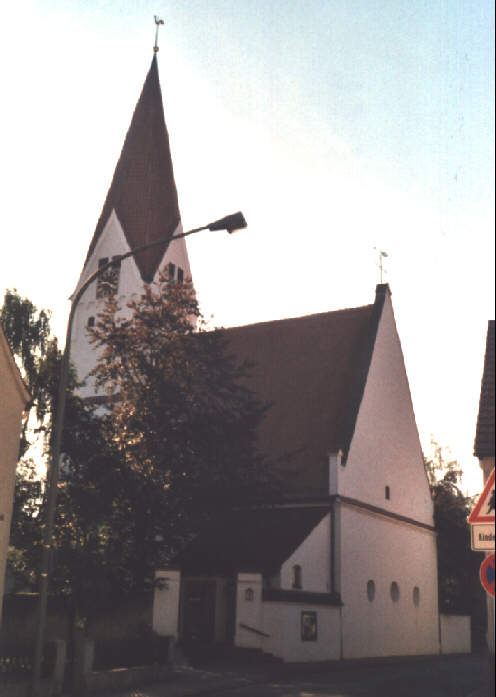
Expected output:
(487, 574)
(484, 508)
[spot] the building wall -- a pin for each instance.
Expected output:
(313, 556)
(12, 405)
(279, 625)
(385, 449)
(382, 550)
(111, 242)
(282, 621)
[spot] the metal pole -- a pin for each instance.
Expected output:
(53, 472)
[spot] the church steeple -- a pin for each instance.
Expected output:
(143, 191)
(141, 207)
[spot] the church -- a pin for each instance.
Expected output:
(345, 564)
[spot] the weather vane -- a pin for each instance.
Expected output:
(158, 22)
(382, 255)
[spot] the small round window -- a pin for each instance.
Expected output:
(395, 591)
(416, 596)
(370, 590)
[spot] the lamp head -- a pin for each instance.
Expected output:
(231, 223)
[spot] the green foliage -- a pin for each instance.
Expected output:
(182, 427)
(138, 480)
(459, 588)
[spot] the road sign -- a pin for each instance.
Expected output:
(482, 537)
(487, 574)
(484, 508)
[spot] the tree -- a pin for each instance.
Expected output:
(459, 588)
(28, 332)
(180, 421)
(78, 516)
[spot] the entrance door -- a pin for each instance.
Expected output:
(199, 611)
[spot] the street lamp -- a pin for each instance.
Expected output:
(230, 223)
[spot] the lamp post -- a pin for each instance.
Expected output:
(230, 223)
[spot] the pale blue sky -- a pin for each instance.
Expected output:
(336, 126)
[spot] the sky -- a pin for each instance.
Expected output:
(338, 128)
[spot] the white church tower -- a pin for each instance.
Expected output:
(141, 207)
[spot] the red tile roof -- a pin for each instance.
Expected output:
(250, 540)
(143, 191)
(484, 437)
(312, 371)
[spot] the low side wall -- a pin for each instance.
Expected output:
(283, 623)
(166, 598)
(455, 634)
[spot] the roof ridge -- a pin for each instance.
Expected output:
(347, 310)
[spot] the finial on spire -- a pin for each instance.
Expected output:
(382, 255)
(158, 22)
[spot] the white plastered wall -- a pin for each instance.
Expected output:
(281, 621)
(313, 555)
(283, 624)
(383, 550)
(112, 241)
(278, 625)
(385, 449)
(166, 594)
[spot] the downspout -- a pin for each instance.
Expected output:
(332, 562)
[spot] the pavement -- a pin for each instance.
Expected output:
(445, 676)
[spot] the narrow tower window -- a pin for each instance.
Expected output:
(416, 596)
(395, 592)
(388, 493)
(172, 272)
(180, 274)
(296, 581)
(370, 590)
(91, 321)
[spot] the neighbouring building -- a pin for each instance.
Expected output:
(484, 445)
(14, 403)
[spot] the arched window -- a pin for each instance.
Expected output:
(370, 590)
(249, 594)
(296, 581)
(395, 592)
(91, 322)
(416, 596)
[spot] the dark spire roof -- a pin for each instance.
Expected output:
(143, 191)
(484, 436)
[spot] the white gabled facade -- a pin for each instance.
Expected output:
(385, 517)
(368, 577)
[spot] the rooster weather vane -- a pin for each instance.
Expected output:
(158, 22)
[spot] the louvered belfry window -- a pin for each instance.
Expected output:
(108, 281)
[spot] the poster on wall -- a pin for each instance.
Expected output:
(308, 625)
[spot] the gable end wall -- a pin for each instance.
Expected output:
(385, 449)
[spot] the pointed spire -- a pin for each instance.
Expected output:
(143, 191)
